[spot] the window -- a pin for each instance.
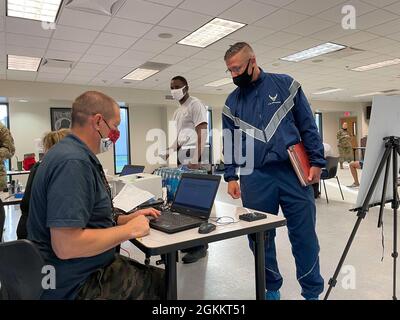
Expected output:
(318, 121)
(122, 150)
(209, 142)
(5, 120)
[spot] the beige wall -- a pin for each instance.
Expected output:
(331, 119)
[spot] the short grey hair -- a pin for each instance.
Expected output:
(236, 48)
(91, 103)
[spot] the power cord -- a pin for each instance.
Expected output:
(126, 251)
(225, 220)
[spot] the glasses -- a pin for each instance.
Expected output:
(236, 69)
(109, 126)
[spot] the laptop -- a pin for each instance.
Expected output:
(131, 169)
(192, 204)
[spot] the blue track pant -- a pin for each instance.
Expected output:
(277, 185)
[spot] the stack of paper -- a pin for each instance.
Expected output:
(130, 197)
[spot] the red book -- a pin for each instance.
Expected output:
(301, 164)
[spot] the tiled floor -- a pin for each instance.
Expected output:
(228, 270)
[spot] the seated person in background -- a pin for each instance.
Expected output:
(49, 140)
(327, 153)
(71, 218)
(354, 165)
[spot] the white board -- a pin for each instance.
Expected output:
(384, 122)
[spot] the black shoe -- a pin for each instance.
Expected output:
(194, 255)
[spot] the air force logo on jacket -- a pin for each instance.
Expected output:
(273, 100)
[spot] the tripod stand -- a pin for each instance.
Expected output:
(392, 150)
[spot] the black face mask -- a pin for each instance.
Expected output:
(244, 79)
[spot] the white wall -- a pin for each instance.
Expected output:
(31, 120)
(330, 128)
(147, 110)
(143, 119)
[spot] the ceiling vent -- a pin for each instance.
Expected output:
(57, 63)
(326, 89)
(104, 7)
(154, 66)
(169, 97)
(346, 52)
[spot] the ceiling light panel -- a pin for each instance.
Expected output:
(328, 91)
(211, 32)
(140, 74)
(373, 66)
(41, 10)
(314, 52)
(22, 63)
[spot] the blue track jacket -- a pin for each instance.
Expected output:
(278, 115)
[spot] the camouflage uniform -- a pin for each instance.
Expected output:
(344, 145)
(7, 150)
(124, 279)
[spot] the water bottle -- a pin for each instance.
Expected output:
(168, 185)
(177, 180)
(18, 187)
(174, 183)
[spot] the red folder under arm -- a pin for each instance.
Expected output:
(301, 164)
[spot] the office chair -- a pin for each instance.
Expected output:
(329, 172)
(20, 271)
(2, 220)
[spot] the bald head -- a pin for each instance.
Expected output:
(91, 103)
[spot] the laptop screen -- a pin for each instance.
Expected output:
(130, 169)
(196, 195)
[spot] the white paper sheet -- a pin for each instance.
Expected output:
(130, 197)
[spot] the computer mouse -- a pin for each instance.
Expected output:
(206, 227)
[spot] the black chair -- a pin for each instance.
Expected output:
(20, 271)
(329, 172)
(2, 219)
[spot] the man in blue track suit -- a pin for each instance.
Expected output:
(272, 111)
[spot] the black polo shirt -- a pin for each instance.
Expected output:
(69, 192)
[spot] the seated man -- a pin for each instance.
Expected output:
(71, 219)
(354, 165)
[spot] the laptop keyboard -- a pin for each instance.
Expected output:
(174, 219)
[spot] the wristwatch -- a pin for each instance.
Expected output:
(115, 216)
